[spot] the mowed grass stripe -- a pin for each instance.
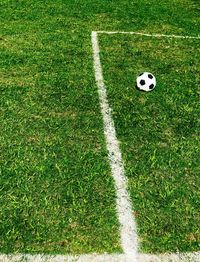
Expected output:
(158, 134)
(57, 194)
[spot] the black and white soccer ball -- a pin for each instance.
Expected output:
(146, 81)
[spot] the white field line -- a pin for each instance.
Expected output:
(181, 257)
(129, 239)
(150, 35)
(125, 215)
(128, 230)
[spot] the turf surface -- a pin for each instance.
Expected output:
(158, 134)
(57, 194)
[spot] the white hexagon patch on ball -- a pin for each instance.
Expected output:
(146, 82)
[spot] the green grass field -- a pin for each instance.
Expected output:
(159, 135)
(57, 194)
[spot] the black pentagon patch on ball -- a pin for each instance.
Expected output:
(142, 82)
(150, 76)
(151, 86)
(140, 74)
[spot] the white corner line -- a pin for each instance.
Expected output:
(149, 35)
(128, 232)
(176, 257)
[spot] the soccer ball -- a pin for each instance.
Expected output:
(146, 81)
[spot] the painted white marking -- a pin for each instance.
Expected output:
(129, 246)
(150, 35)
(179, 257)
(175, 257)
(128, 238)
(128, 230)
